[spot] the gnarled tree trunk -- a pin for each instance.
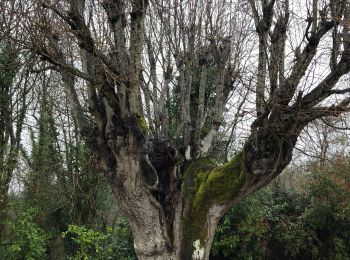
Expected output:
(173, 221)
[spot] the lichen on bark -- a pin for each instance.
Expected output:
(142, 122)
(206, 185)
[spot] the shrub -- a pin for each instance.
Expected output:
(93, 244)
(26, 240)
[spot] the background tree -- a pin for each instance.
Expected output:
(13, 107)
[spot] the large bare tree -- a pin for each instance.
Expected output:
(133, 55)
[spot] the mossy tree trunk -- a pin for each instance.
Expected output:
(173, 221)
(210, 190)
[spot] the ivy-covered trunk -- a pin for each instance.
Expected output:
(3, 203)
(6, 171)
(10, 136)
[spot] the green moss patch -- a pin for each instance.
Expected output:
(221, 184)
(141, 122)
(206, 184)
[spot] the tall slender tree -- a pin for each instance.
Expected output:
(13, 106)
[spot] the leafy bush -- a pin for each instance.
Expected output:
(242, 234)
(88, 241)
(93, 244)
(329, 211)
(27, 240)
(123, 242)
